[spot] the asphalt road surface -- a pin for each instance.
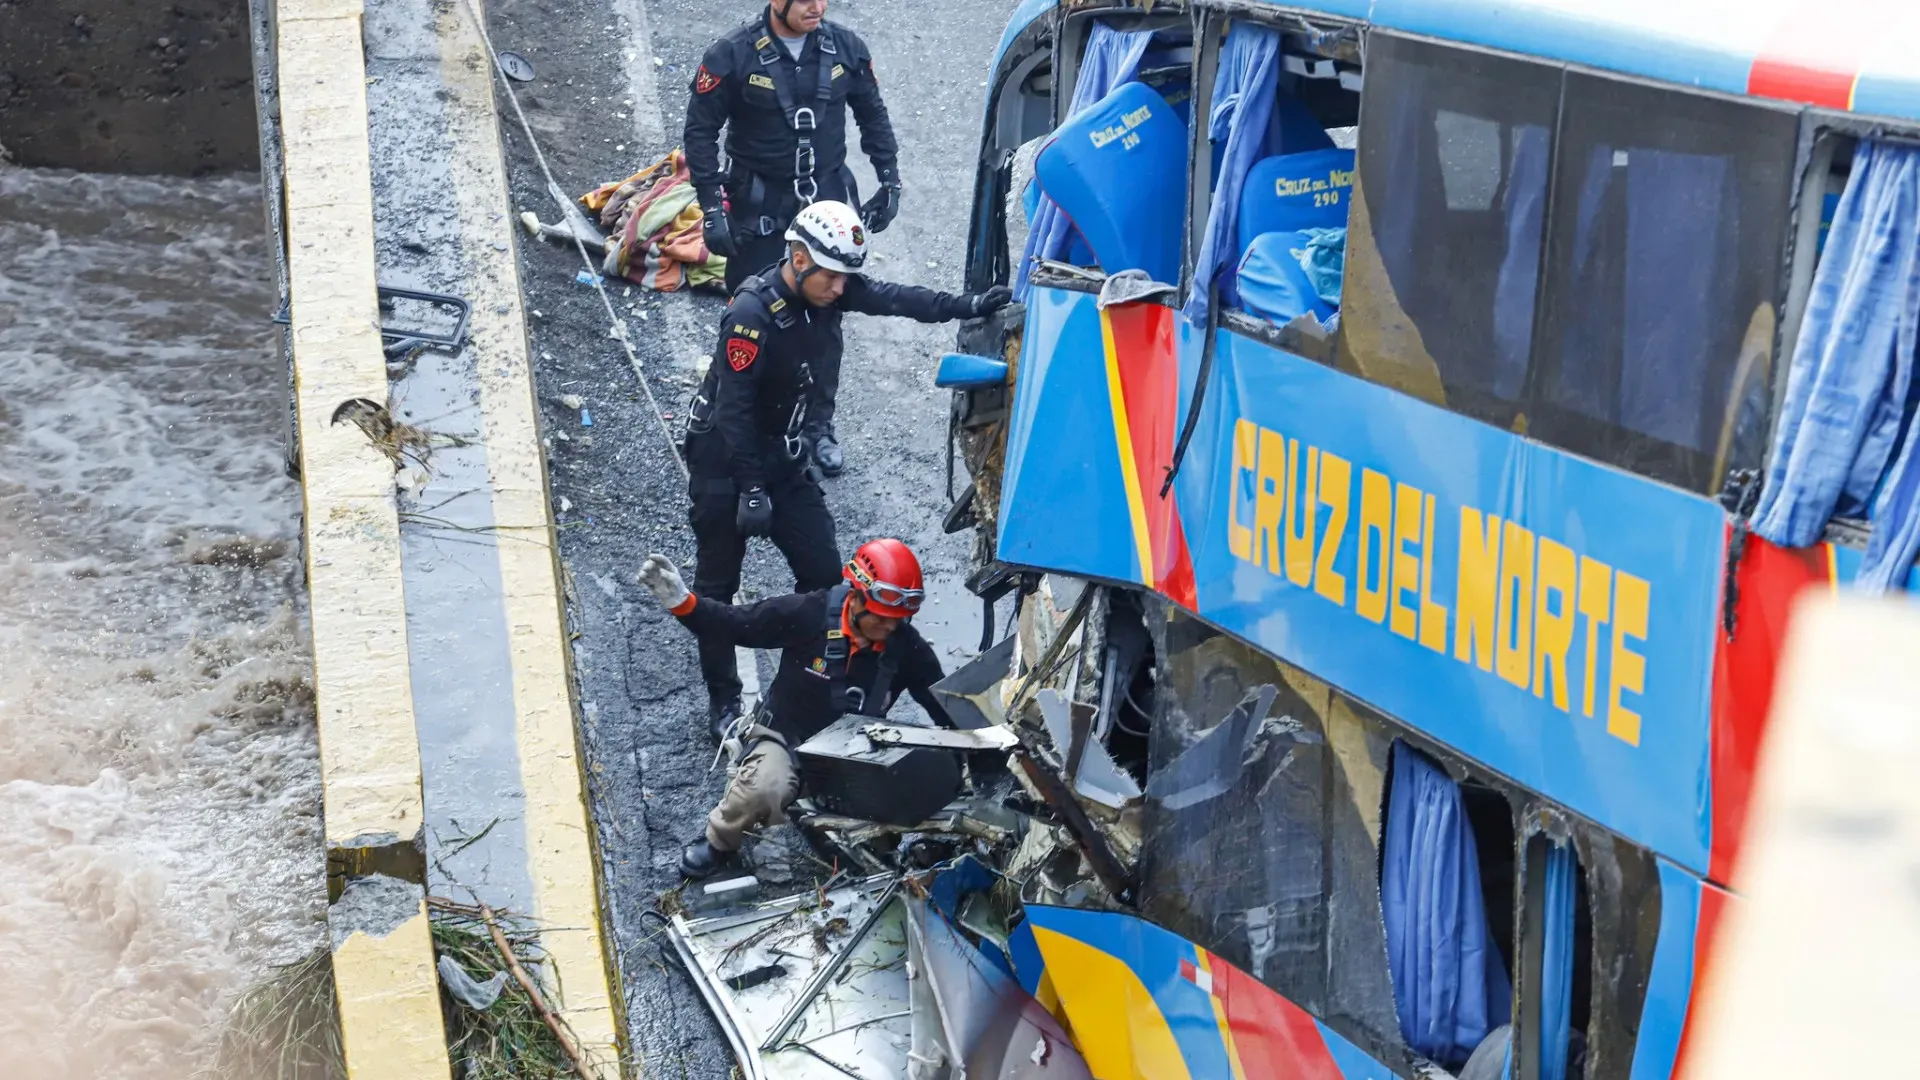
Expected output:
(608, 99)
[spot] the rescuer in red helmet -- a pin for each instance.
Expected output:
(848, 649)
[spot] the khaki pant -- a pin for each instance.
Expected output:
(758, 793)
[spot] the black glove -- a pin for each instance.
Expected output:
(879, 211)
(718, 234)
(988, 302)
(755, 514)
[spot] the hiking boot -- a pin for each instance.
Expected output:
(700, 860)
(721, 716)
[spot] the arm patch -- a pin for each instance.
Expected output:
(741, 353)
(705, 82)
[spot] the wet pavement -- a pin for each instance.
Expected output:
(608, 99)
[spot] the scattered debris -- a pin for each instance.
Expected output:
(516, 67)
(400, 442)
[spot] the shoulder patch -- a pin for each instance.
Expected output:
(705, 81)
(765, 40)
(761, 81)
(746, 331)
(741, 353)
(778, 305)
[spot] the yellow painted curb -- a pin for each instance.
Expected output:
(560, 839)
(369, 750)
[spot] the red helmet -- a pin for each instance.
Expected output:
(887, 576)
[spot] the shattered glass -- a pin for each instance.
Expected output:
(1259, 840)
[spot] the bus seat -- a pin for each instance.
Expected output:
(1119, 173)
(1295, 191)
(1274, 285)
(1296, 129)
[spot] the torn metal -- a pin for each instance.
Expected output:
(869, 980)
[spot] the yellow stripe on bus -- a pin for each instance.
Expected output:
(1123, 434)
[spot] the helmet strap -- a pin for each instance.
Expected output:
(800, 276)
(784, 9)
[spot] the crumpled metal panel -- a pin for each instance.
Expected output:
(973, 1021)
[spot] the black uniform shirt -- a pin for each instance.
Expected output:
(801, 697)
(735, 87)
(766, 335)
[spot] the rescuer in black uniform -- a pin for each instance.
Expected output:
(846, 649)
(782, 86)
(745, 450)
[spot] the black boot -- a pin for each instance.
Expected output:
(720, 718)
(826, 452)
(701, 860)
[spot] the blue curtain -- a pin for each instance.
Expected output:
(1557, 962)
(1519, 281)
(1111, 60)
(1630, 359)
(1450, 984)
(1242, 114)
(1838, 444)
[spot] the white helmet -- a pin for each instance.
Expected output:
(833, 235)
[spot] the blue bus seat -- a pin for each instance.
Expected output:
(1119, 173)
(1295, 191)
(964, 371)
(1272, 282)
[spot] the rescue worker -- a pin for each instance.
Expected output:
(847, 649)
(745, 450)
(782, 85)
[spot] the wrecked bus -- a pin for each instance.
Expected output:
(1417, 423)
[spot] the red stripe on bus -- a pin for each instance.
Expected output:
(1805, 60)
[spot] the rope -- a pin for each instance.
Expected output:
(617, 326)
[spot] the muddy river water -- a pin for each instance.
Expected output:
(159, 788)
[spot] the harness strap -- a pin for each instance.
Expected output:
(804, 120)
(847, 698)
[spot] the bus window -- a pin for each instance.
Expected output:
(1260, 839)
(1111, 180)
(1019, 117)
(1279, 181)
(1443, 251)
(1845, 445)
(1670, 217)
(1447, 898)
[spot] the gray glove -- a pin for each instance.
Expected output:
(662, 579)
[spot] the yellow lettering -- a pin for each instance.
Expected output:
(1630, 604)
(1269, 500)
(1433, 617)
(1596, 603)
(1239, 537)
(1407, 517)
(1513, 617)
(1336, 487)
(1302, 512)
(1553, 630)
(1376, 524)
(1479, 582)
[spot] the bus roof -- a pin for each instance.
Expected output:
(1857, 55)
